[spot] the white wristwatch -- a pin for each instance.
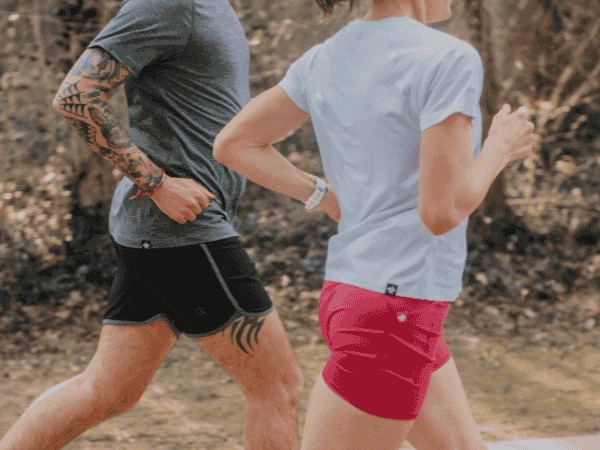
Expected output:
(314, 199)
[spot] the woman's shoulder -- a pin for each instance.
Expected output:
(309, 57)
(442, 43)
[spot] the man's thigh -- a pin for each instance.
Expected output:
(256, 353)
(127, 358)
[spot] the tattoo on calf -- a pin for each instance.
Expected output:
(238, 326)
(83, 100)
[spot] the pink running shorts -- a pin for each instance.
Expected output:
(383, 348)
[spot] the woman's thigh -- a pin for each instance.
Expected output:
(334, 424)
(384, 348)
(445, 421)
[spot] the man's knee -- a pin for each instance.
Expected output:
(110, 397)
(294, 386)
(284, 388)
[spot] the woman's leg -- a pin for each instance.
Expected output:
(445, 421)
(333, 424)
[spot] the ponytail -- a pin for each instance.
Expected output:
(327, 5)
(419, 6)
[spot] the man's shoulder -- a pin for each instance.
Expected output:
(157, 8)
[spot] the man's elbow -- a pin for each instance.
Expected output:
(56, 104)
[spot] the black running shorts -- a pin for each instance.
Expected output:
(199, 289)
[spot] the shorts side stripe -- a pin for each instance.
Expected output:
(226, 288)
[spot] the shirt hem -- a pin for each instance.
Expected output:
(170, 243)
(340, 278)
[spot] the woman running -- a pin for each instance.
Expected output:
(395, 109)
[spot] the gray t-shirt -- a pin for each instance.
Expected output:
(190, 61)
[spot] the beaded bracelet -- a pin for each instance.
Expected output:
(152, 191)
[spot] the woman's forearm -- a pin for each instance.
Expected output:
(477, 179)
(269, 168)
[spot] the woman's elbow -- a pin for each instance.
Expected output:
(439, 227)
(437, 224)
(220, 152)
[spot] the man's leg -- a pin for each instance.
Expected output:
(445, 421)
(114, 381)
(269, 375)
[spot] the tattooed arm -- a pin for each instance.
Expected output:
(83, 100)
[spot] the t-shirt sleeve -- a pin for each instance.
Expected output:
(454, 88)
(296, 77)
(145, 32)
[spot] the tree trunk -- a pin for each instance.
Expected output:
(479, 26)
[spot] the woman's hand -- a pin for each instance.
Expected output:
(514, 130)
(329, 204)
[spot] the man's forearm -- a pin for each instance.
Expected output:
(83, 102)
(109, 138)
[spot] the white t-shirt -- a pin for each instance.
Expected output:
(371, 90)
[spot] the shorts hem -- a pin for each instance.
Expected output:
(256, 314)
(129, 323)
(238, 313)
(443, 364)
(361, 409)
(234, 316)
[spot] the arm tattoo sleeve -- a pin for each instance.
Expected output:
(83, 100)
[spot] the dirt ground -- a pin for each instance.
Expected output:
(191, 403)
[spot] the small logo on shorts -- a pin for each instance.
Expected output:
(391, 289)
(401, 317)
(146, 244)
(200, 311)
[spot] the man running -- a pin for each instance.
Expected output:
(181, 266)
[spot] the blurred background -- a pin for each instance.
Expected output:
(533, 262)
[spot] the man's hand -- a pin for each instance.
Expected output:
(181, 199)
